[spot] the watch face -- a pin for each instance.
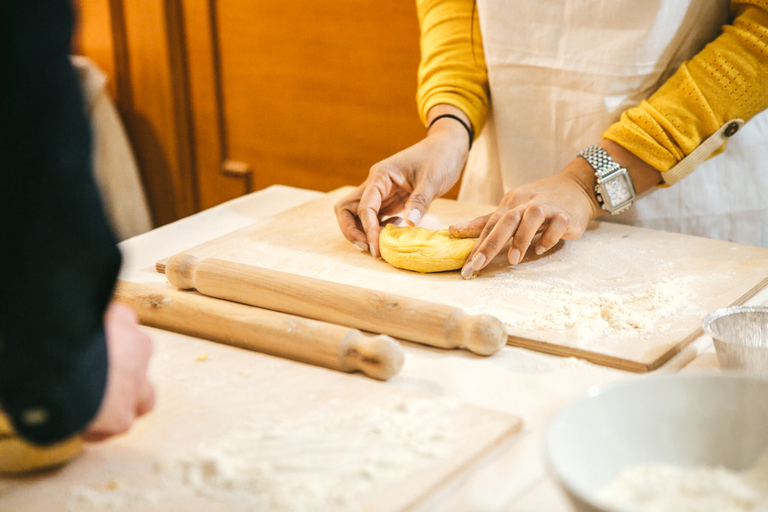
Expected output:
(618, 189)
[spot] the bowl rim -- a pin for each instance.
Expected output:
(599, 390)
(723, 312)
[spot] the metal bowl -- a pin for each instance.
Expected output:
(740, 335)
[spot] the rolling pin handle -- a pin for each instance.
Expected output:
(180, 271)
(380, 357)
(482, 334)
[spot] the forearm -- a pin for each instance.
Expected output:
(725, 81)
(452, 69)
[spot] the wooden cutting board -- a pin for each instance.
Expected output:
(621, 296)
(235, 430)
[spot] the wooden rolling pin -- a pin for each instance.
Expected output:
(407, 318)
(300, 339)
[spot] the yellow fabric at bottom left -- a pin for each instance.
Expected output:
(18, 457)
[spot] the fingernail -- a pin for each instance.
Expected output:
(467, 271)
(477, 261)
(372, 253)
(360, 245)
(514, 257)
(414, 216)
(540, 250)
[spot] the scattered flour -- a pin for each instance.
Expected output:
(109, 496)
(325, 462)
(665, 488)
(628, 312)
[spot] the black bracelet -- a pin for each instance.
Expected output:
(466, 127)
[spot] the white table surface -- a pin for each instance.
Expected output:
(531, 385)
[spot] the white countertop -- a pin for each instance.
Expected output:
(527, 384)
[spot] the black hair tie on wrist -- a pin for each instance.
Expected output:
(465, 125)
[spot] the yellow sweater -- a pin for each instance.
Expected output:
(728, 79)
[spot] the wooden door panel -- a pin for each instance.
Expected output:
(305, 93)
(316, 92)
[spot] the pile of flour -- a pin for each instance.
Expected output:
(665, 488)
(590, 316)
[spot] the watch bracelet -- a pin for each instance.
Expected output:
(600, 160)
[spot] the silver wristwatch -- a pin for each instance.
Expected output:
(614, 190)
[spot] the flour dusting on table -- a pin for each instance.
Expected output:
(274, 465)
(666, 488)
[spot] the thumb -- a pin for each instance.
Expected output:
(470, 229)
(418, 203)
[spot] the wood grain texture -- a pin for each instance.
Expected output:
(299, 339)
(141, 47)
(321, 432)
(611, 262)
(317, 92)
(201, 28)
(308, 94)
(430, 323)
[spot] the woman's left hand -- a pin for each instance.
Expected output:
(559, 207)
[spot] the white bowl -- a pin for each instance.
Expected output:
(681, 420)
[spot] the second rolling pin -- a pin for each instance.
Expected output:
(411, 319)
(301, 339)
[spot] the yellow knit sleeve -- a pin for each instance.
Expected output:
(726, 80)
(452, 68)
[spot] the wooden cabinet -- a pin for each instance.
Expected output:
(221, 98)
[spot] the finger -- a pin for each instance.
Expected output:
(368, 210)
(346, 217)
(421, 197)
(468, 271)
(394, 204)
(532, 219)
(557, 228)
(470, 229)
(493, 239)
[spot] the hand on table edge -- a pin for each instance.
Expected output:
(560, 207)
(128, 394)
(406, 182)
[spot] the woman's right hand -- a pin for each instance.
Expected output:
(405, 182)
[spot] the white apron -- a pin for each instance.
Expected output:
(562, 71)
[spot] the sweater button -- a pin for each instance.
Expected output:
(731, 129)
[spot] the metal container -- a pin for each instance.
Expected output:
(740, 335)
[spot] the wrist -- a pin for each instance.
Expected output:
(583, 176)
(643, 175)
(447, 121)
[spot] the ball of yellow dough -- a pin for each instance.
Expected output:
(18, 457)
(423, 250)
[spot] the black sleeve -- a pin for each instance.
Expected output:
(58, 256)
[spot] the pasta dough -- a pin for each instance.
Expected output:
(17, 456)
(423, 250)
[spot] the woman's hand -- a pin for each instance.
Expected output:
(405, 182)
(559, 207)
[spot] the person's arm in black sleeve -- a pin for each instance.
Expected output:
(58, 256)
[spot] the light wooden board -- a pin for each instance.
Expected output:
(235, 430)
(672, 281)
